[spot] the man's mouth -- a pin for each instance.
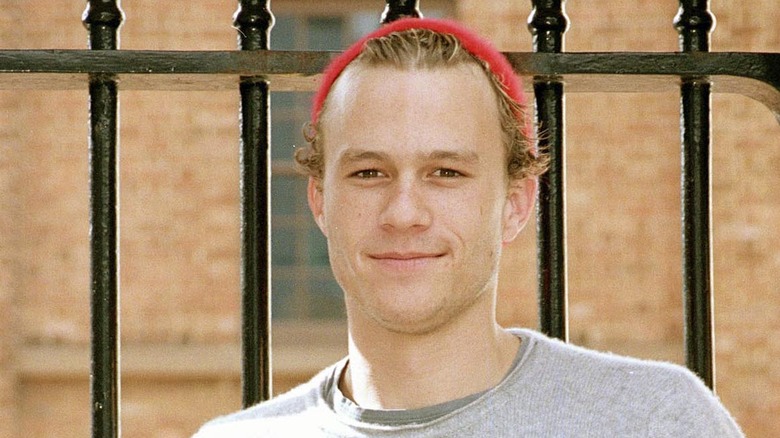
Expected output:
(405, 260)
(404, 255)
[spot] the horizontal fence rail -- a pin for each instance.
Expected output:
(755, 75)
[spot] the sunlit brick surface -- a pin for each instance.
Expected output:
(180, 224)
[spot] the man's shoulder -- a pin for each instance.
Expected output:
(283, 411)
(585, 360)
(598, 368)
(660, 394)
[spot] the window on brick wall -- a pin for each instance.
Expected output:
(303, 286)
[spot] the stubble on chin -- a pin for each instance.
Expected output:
(413, 319)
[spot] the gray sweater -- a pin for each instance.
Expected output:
(553, 390)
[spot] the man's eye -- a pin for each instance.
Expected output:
(367, 173)
(447, 173)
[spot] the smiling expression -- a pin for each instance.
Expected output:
(415, 200)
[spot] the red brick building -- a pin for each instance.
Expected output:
(180, 316)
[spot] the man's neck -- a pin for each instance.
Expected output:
(390, 370)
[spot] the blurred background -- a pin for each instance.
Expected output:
(180, 298)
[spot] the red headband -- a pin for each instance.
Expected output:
(474, 44)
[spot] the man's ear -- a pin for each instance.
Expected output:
(519, 205)
(314, 195)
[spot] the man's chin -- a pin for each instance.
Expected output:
(413, 321)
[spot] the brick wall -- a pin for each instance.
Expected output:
(179, 213)
(9, 266)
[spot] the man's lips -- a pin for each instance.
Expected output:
(405, 260)
(404, 255)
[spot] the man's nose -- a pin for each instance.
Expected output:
(406, 208)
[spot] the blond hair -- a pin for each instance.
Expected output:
(426, 49)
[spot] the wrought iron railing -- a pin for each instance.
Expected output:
(104, 70)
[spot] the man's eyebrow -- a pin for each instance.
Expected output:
(469, 157)
(352, 155)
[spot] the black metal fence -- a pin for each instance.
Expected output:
(103, 67)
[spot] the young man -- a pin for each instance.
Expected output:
(420, 170)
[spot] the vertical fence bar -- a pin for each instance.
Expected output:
(548, 23)
(254, 20)
(396, 9)
(694, 23)
(102, 19)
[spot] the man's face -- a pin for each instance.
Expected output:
(415, 200)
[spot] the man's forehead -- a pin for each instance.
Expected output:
(391, 72)
(385, 106)
(390, 77)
